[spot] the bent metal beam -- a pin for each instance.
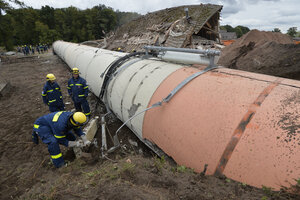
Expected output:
(242, 125)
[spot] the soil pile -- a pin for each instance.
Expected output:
(264, 52)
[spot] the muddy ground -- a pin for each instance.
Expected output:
(129, 173)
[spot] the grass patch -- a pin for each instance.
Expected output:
(267, 190)
(183, 169)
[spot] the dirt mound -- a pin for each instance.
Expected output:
(260, 37)
(264, 52)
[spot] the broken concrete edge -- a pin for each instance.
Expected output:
(4, 88)
(90, 131)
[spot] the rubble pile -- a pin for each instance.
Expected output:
(171, 27)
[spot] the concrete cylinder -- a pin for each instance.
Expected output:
(242, 125)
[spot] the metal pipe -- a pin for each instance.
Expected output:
(198, 51)
(187, 13)
(104, 144)
(186, 58)
(239, 124)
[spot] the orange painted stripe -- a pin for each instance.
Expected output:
(238, 132)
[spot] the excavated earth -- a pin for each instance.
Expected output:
(264, 52)
(131, 172)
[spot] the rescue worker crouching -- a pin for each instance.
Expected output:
(78, 90)
(55, 128)
(52, 94)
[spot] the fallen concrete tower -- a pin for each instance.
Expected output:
(242, 125)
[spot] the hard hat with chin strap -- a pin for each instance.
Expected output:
(75, 70)
(50, 77)
(78, 119)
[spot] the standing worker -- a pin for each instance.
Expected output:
(52, 94)
(55, 128)
(78, 90)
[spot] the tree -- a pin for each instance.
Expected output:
(45, 35)
(109, 19)
(24, 25)
(244, 29)
(5, 5)
(47, 16)
(32, 26)
(239, 30)
(104, 19)
(6, 29)
(276, 30)
(6, 32)
(292, 31)
(228, 28)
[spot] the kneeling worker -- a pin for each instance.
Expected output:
(52, 94)
(78, 90)
(55, 128)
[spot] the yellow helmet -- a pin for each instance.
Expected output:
(78, 119)
(119, 48)
(75, 70)
(50, 77)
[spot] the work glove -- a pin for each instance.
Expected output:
(75, 144)
(86, 142)
(35, 138)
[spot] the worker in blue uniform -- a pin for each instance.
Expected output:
(78, 90)
(56, 128)
(52, 94)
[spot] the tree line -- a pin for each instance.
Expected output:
(292, 31)
(241, 30)
(46, 25)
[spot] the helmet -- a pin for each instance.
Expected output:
(75, 70)
(78, 119)
(50, 77)
(119, 49)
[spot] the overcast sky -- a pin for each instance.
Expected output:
(255, 14)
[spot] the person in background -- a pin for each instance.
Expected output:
(38, 49)
(32, 49)
(120, 50)
(52, 94)
(55, 129)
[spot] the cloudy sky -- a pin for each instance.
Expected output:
(255, 14)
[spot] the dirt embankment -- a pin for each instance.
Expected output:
(130, 173)
(264, 52)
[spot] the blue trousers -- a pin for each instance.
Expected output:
(56, 108)
(83, 104)
(45, 133)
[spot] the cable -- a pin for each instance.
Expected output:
(170, 95)
(112, 68)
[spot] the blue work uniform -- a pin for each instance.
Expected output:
(78, 90)
(53, 130)
(52, 97)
